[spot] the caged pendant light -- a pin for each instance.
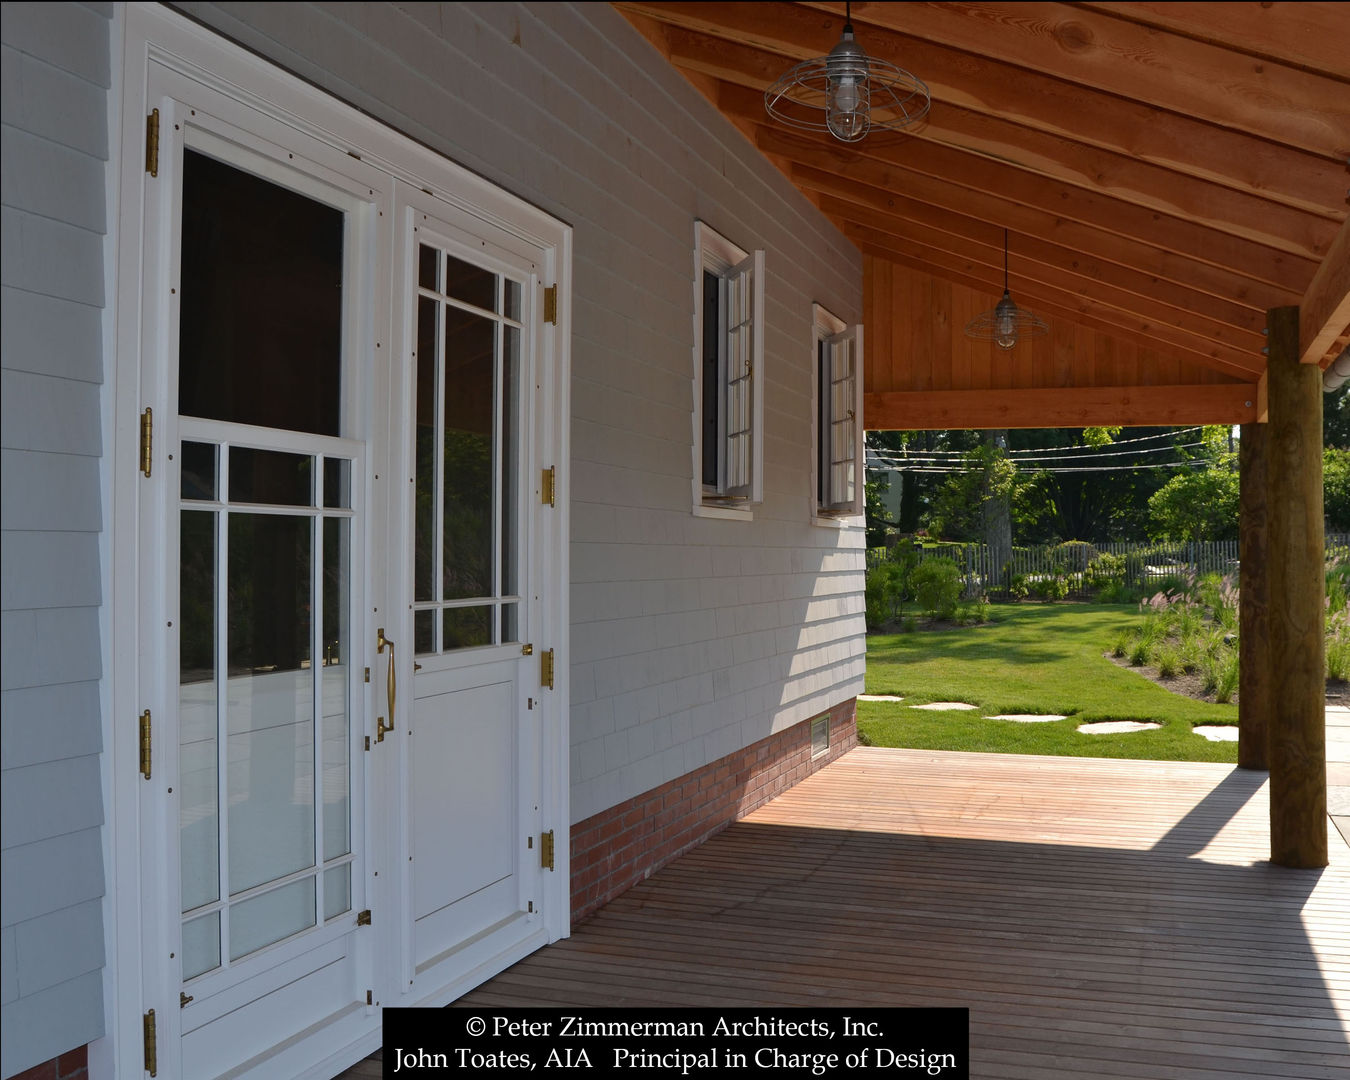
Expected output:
(1006, 324)
(847, 93)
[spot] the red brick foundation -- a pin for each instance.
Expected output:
(615, 849)
(73, 1065)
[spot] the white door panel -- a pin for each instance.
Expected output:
(463, 815)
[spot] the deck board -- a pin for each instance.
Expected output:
(1099, 918)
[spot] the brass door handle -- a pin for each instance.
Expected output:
(391, 688)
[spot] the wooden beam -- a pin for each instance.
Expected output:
(913, 194)
(1071, 306)
(868, 205)
(1324, 313)
(1298, 761)
(1273, 101)
(963, 175)
(1256, 679)
(1053, 266)
(1132, 406)
(1030, 97)
(1256, 217)
(1306, 35)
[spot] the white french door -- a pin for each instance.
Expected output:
(340, 576)
(335, 578)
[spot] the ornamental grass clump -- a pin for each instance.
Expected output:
(1190, 628)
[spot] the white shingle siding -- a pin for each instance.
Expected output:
(691, 637)
(53, 171)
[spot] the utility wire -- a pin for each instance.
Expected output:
(1055, 470)
(943, 456)
(1172, 434)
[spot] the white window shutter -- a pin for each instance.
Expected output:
(743, 466)
(756, 272)
(844, 482)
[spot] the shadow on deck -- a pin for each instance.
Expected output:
(1099, 918)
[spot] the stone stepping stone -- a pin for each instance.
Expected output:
(879, 697)
(1217, 732)
(1116, 727)
(945, 706)
(1029, 718)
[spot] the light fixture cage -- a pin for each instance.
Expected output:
(1005, 324)
(890, 97)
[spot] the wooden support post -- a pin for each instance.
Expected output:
(1256, 689)
(1298, 759)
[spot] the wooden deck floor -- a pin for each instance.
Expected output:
(1099, 918)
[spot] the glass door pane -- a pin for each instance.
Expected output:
(265, 581)
(466, 483)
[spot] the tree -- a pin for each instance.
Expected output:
(1199, 505)
(1336, 488)
(1336, 418)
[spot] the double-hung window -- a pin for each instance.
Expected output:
(729, 359)
(838, 417)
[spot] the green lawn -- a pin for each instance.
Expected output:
(1035, 658)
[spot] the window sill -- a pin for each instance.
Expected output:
(837, 521)
(728, 513)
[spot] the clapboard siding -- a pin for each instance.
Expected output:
(51, 336)
(692, 637)
(53, 175)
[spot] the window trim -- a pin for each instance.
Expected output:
(714, 254)
(828, 331)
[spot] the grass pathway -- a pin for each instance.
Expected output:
(1034, 659)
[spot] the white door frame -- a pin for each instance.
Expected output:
(152, 32)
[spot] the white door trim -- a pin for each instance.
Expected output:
(153, 32)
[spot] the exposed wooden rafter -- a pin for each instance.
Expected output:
(1168, 172)
(1324, 312)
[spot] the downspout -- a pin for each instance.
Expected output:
(1337, 372)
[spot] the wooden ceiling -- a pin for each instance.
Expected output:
(1166, 171)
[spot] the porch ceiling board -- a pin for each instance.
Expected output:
(1097, 917)
(1167, 173)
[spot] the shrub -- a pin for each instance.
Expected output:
(1017, 587)
(1073, 556)
(1050, 589)
(1117, 592)
(1105, 570)
(882, 594)
(972, 611)
(937, 586)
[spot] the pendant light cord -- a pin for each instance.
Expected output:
(1005, 260)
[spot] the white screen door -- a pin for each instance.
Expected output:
(255, 301)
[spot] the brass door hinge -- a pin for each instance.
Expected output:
(546, 669)
(152, 143)
(551, 304)
(151, 1052)
(546, 849)
(145, 744)
(363, 919)
(147, 440)
(547, 487)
